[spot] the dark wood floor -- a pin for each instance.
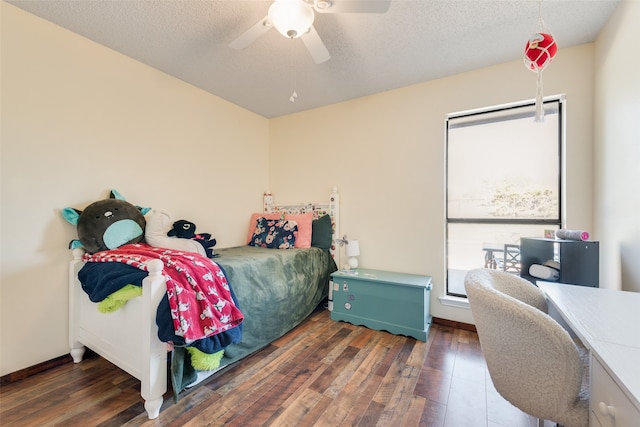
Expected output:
(323, 373)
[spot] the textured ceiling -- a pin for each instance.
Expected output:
(415, 41)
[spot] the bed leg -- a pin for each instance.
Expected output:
(75, 299)
(153, 380)
(152, 406)
(77, 353)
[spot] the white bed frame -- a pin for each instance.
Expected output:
(128, 338)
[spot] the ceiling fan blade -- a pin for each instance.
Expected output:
(351, 6)
(251, 34)
(314, 45)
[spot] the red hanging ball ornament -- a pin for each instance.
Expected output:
(539, 51)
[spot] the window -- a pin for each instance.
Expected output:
(504, 181)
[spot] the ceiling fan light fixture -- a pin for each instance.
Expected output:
(323, 4)
(292, 18)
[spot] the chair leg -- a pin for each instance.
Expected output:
(541, 423)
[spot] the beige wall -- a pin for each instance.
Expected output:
(617, 148)
(79, 119)
(386, 154)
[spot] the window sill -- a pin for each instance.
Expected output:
(452, 301)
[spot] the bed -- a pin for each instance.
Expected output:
(289, 282)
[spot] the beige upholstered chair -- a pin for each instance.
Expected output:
(532, 360)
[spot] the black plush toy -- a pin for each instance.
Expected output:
(187, 230)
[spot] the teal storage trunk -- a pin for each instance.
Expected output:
(382, 300)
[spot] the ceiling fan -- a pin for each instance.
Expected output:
(294, 18)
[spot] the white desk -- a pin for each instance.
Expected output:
(608, 324)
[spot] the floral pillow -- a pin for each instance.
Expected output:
(254, 221)
(274, 234)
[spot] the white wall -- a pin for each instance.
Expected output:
(386, 154)
(79, 119)
(617, 148)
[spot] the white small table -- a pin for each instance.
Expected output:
(608, 324)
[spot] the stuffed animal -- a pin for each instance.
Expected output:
(107, 224)
(155, 234)
(187, 230)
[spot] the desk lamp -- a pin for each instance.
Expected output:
(353, 252)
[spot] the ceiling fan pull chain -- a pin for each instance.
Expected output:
(294, 94)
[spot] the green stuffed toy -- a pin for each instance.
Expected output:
(107, 224)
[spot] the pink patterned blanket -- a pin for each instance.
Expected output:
(197, 289)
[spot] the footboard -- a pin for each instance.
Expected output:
(128, 337)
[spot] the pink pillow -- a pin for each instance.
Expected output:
(254, 222)
(303, 238)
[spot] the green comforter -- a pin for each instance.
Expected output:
(276, 289)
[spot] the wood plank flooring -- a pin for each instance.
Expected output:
(322, 373)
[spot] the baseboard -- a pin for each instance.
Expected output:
(454, 324)
(41, 367)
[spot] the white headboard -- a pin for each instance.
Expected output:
(331, 208)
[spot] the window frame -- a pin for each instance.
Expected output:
(558, 221)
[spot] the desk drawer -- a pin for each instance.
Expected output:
(609, 407)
